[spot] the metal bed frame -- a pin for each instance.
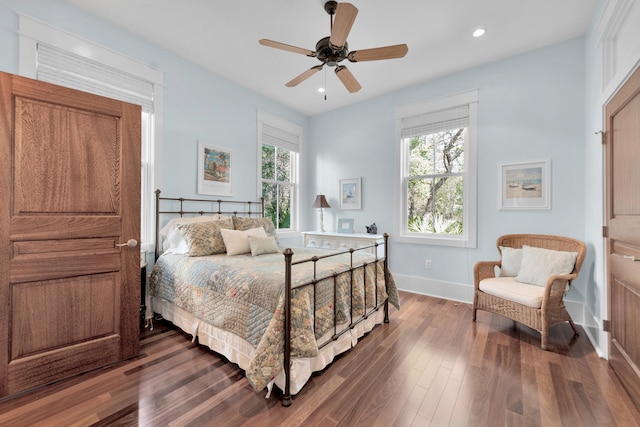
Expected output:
(211, 206)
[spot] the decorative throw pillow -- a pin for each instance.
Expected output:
(204, 238)
(243, 224)
(263, 245)
(539, 264)
(511, 261)
(237, 241)
(171, 238)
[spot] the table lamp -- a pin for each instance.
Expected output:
(321, 202)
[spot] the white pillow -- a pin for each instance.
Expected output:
(237, 241)
(539, 264)
(171, 238)
(263, 245)
(511, 261)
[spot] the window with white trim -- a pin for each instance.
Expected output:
(436, 163)
(55, 56)
(279, 148)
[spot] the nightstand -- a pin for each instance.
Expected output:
(343, 241)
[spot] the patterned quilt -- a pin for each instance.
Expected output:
(245, 295)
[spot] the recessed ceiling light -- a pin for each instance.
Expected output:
(479, 32)
(321, 89)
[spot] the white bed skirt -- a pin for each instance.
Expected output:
(240, 352)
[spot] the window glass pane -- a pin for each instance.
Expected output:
(270, 194)
(419, 195)
(435, 205)
(277, 204)
(421, 155)
(448, 206)
(284, 206)
(449, 151)
(283, 164)
(268, 161)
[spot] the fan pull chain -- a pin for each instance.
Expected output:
(325, 83)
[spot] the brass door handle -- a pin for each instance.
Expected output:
(132, 243)
(631, 258)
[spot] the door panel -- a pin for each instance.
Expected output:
(623, 226)
(70, 195)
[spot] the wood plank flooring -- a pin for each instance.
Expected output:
(431, 366)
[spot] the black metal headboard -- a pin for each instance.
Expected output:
(180, 206)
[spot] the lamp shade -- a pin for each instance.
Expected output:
(321, 202)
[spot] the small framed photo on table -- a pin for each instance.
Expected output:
(345, 225)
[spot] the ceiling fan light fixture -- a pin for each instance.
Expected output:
(479, 32)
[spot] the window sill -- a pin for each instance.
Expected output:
(458, 242)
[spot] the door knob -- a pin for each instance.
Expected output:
(132, 243)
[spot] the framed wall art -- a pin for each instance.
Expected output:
(214, 170)
(351, 193)
(525, 185)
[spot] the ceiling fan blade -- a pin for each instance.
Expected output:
(302, 77)
(287, 47)
(375, 54)
(347, 79)
(345, 16)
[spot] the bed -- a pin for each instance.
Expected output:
(280, 314)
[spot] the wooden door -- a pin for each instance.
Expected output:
(623, 229)
(69, 193)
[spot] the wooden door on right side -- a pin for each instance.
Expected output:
(623, 232)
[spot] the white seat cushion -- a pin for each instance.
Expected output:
(508, 288)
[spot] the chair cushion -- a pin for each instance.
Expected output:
(508, 288)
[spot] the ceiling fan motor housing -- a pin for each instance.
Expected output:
(327, 54)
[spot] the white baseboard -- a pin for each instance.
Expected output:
(464, 293)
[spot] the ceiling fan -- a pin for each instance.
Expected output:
(333, 49)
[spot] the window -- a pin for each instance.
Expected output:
(52, 55)
(279, 148)
(436, 183)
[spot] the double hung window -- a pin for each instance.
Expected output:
(436, 190)
(279, 148)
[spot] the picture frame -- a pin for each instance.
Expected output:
(350, 193)
(345, 225)
(215, 170)
(525, 186)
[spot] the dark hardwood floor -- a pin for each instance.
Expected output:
(430, 366)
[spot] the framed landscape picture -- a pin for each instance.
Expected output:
(525, 185)
(214, 170)
(351, 193)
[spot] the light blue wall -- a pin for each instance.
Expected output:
(198, 105)
(542, 104)
(531, 107)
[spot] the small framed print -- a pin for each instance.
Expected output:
(345, 225)
(351, 193)
(214, 170)
(525, 185)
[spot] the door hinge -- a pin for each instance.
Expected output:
(603, 139)
(605, 231)
(606, 325)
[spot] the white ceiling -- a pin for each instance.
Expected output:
(222, 36)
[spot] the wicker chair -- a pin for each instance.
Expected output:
(550, 309)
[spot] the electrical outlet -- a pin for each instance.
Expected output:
(427, 264)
